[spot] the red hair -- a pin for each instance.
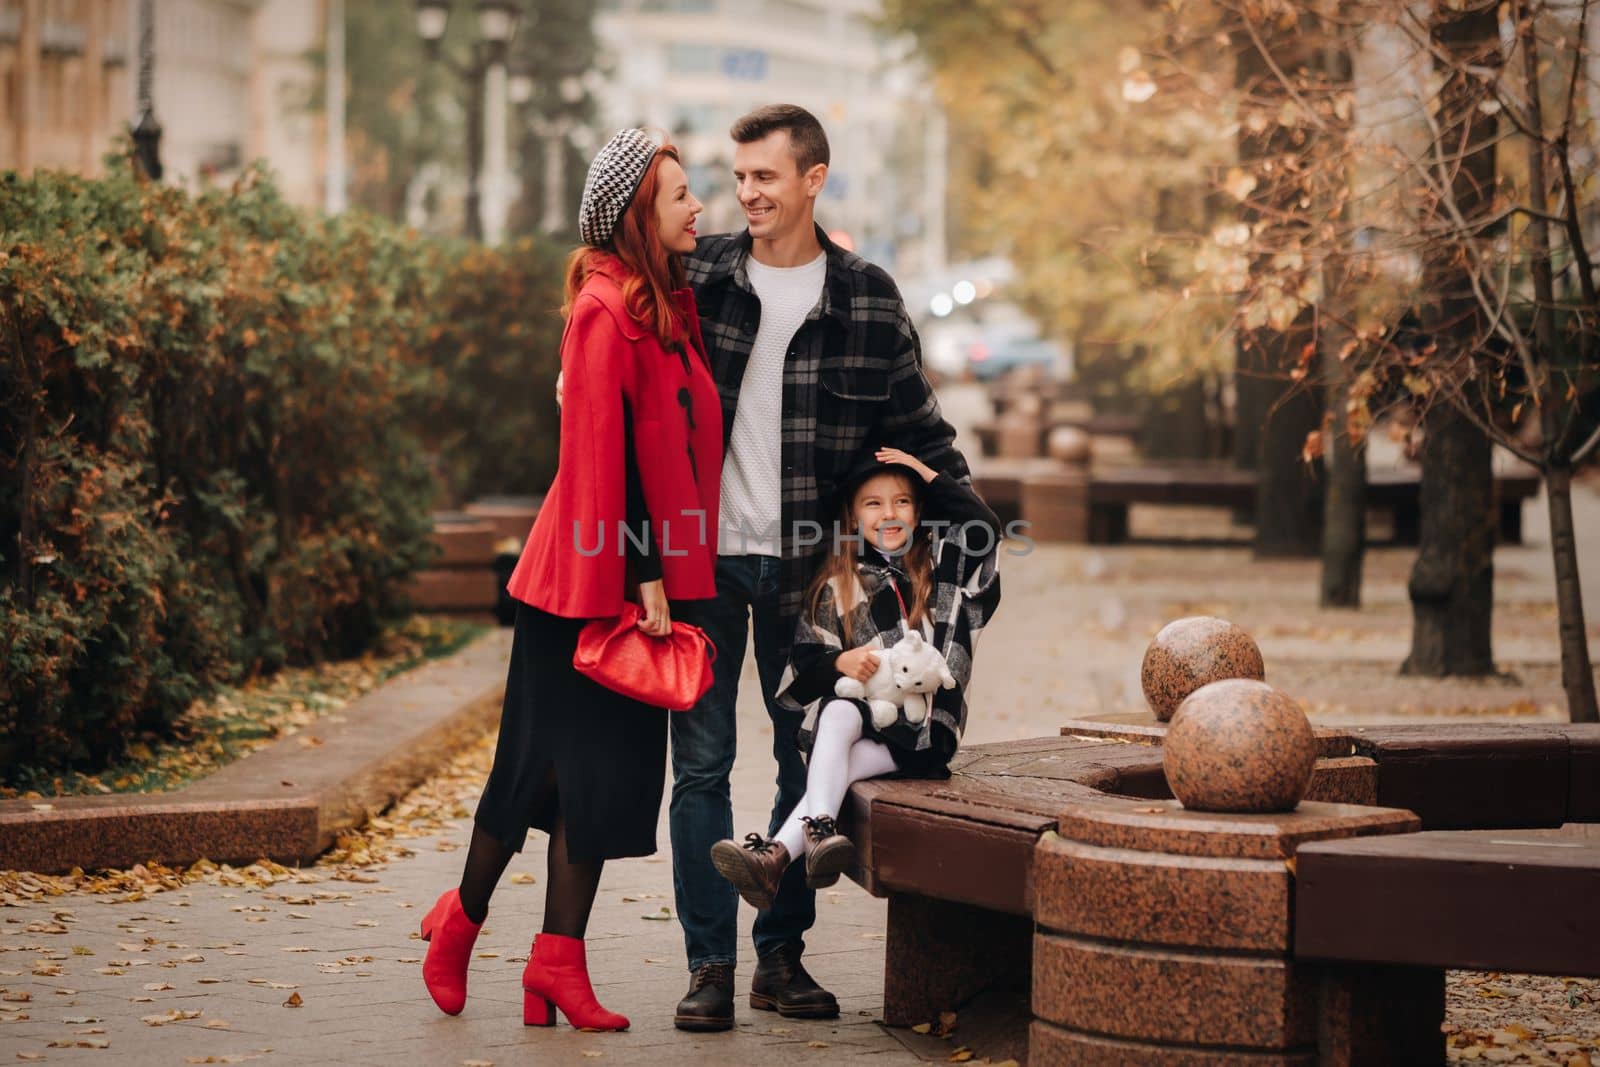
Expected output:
(653, 272)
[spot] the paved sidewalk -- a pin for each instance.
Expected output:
(93, 968)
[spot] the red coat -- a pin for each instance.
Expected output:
(574, 563)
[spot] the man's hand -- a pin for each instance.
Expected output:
(906, 459)
(657, 618)
(858, 663)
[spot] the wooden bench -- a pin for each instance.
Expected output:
(955, 856)
(1484, 900)
(1072, 847)
(1394, 491)
(1124, 428)
(999, 482)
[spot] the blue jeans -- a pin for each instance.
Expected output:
(703, 742)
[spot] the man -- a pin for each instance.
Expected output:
(817, 364)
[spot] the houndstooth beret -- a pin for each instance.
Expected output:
(614, 177)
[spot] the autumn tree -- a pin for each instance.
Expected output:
(1468, 294)
(1073, 157)
(1517, 364)
(1390, 204)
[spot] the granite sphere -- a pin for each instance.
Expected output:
(1192, 652)
(1068, 444)
(1239, 746)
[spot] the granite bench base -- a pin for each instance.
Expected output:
(287, 801)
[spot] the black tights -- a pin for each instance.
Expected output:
(569, 886)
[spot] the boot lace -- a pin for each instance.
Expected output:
(758, 844)
(820, 826)
(717, 974)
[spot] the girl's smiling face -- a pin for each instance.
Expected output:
(885, 511)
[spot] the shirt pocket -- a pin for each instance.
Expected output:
(858, 384)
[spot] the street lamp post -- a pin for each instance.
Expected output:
(146, 130)
(488, 173)
(555, 132)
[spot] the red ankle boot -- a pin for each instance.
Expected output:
(557, 971)
(450, 936)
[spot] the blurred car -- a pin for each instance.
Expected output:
(986, 344)
(988, 362)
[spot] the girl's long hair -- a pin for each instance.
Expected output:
(916, 561)
(653, 272)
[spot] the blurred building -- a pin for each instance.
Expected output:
(65, 81)
(233, 81)
(691, 67)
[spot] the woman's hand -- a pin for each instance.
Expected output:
(857, 663)
(657, 618)
(906, 459)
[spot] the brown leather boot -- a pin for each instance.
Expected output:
(709, 1003)
(782, 985)
(755, 868)
(829, 853)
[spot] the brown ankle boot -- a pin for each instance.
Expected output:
(828, 853)
(755, 868)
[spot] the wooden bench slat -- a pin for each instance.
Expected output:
(914, 851)
(1509, 900)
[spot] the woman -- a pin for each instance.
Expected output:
(641, 445)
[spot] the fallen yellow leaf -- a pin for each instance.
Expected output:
(294, 1001)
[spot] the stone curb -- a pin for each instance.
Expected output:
(287, 801)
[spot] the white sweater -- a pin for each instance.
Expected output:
(752, 471)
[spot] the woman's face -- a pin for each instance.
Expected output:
(676, 208)
(885, 511)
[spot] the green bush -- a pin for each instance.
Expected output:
(495, 357)
(218, 426)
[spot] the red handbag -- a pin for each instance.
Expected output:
(665, 672)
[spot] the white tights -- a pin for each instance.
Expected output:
(839, 758)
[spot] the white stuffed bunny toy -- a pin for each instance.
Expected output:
(907, 672)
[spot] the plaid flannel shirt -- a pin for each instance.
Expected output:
(852, 382)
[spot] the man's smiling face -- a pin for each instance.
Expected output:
(775, 196)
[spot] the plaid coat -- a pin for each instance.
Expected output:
(852, 382)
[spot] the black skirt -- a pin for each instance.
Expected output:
(606, 754)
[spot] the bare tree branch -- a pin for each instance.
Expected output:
(1582, 452)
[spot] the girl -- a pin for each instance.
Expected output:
(575, 759)
(919, 554)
